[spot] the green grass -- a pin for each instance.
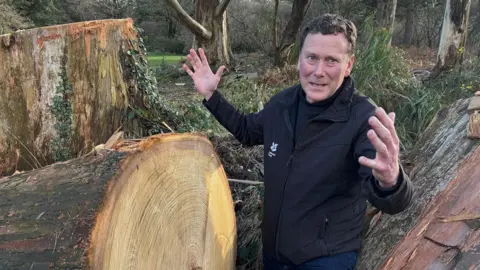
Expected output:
(156, 60)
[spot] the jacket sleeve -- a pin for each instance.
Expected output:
(391, 201)
(247, 128)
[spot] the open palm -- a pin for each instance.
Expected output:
(384, 138)
(204, 79)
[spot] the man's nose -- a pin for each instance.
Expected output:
(319, 69)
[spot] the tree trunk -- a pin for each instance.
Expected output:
(209, 27)
(453, 37)
(160, 203)
(447, 236)
(385, 16)
(216, 46)
(445, 174)
(299, 10)
(408, 34)
(275, 25)
(66, 88)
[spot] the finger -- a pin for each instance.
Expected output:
(382, 132)
(392, 117)
(203, 57)
(477, 93)
(380, 147)
(187, 69)
(367, 162)
(384, 119)
(371, 163)
(393, 132)
(195, 58)
(192, 62)
(220, 72)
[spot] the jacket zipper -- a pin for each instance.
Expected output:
(290, 129)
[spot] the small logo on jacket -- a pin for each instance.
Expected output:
(273, 149)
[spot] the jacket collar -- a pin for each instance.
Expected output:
(339, 111)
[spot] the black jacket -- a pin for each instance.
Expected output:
(315, 191)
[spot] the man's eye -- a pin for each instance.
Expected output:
(311, 57)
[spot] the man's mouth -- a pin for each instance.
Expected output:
(318, 84)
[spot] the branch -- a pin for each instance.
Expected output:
(248, 182)
(188, 21)
(221, 7)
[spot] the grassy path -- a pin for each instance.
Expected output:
(156, 60)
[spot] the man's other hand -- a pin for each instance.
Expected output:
(477, 93)
(383, 136)
(205, 81)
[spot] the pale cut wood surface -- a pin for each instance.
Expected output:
(159, 203)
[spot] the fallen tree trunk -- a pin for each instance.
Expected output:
(445, 174)
(66, 88)
(447, 235)
(159, 203)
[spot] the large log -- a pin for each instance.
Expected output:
(159, 203)
(440, 229)
(66, 88)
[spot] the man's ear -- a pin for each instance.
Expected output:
(350, 65)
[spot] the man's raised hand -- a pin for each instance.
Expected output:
(204, 79)
(383, 136)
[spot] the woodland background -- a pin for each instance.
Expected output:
(400, 63)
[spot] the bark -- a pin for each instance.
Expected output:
(447, 235)
(209, 14)
(408, 34)
(209, 27)
(453, 36)
(386, 10)
(445, 172)
(299, 10)
(159, 203)
(67, 88)
(275, 25)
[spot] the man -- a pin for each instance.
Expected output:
(327, 150)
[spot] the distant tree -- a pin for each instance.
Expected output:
(209, 27)
(283, 49)
(385, 16)
(409, 22)
(41, 12)
(453, 37)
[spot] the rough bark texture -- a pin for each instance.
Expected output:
(408, 34)
(209, 27)
(441, 157)
(299, 10)
(161, 203)
(217, 46)
(386, 10)
(448, 233)
(453, 36)
(67, 88)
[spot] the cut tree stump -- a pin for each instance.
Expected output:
(66, 88)
(163, 202)
(441, 229)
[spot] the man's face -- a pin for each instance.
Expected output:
(323, 64)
